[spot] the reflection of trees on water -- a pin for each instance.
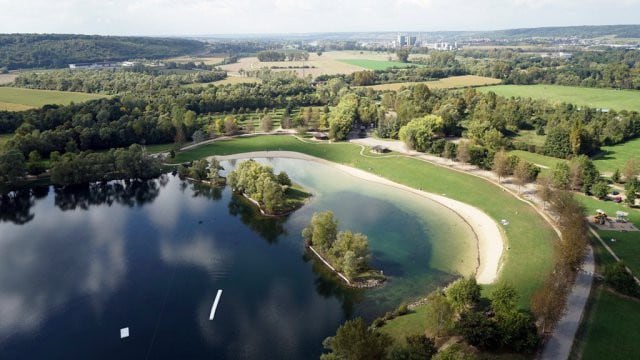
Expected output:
(267, 227)
(15, 206)
(206, 191)
(328, 285)
(129, 193)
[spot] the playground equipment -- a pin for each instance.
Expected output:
(600, 218)
(622, 216)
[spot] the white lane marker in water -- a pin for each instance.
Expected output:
(124, 333)
(215, 305)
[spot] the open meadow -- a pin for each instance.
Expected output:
(208, 60)
(614, 157)
(453, 82)
(18, 99)
(329, 63)
(591, 97)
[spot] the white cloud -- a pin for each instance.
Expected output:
(164, 17)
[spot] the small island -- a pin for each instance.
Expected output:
(203, 171)
(344, 252)
(274, 195)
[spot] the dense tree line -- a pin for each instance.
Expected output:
(111, 81)
(23, 51)
(613, 68)
(86, 167)
(282, 55)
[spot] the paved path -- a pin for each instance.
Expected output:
(559, 345)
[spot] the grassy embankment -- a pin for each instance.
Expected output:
(528, 251)
(609, 326)
(18, 99)
(592, 97)
(614, 157)
(454, 82)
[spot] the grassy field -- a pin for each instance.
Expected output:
(528, 251)
(17, 99)
(208, 60)
(530, 137)
(614, 157)
(538, 159)
(317, 65)
(453, 82)
(610, 327)
(375, 64)
(627, 244)
(595, 98)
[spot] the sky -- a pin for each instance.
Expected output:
(207, 17)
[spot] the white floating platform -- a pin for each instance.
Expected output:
(124, 333)
(215, 305)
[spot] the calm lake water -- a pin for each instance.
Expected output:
(78, 265)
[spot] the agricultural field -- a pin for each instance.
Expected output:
(18, 99)
(208, 60)
(591, 97)
(614, 157)
(7, 78)
(376, 64)
(453, 82)
(329, 63)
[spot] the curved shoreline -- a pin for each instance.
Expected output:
(489, 237)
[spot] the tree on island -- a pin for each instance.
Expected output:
(347, 252)
(259, 183)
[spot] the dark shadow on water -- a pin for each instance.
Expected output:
(15, 206)
(206, 191)
(268, 228)
(128, 193)
(328, 285)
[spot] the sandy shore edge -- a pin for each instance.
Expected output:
(488, 234)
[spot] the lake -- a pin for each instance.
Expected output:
(77, 265)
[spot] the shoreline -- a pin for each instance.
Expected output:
(489, 237)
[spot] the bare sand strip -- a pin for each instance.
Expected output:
(488, 234)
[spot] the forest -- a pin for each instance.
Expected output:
(26, 51)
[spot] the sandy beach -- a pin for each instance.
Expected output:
(488, 234)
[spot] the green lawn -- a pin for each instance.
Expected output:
(528, 252)
(160, 148)
(627, 244)
(15, 99)
(592, 97)
(547, 161)
(530, 137)
(610, 327)
(614, 157)
(376, 64)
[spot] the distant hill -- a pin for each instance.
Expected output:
(21, 51)
(620, 31)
